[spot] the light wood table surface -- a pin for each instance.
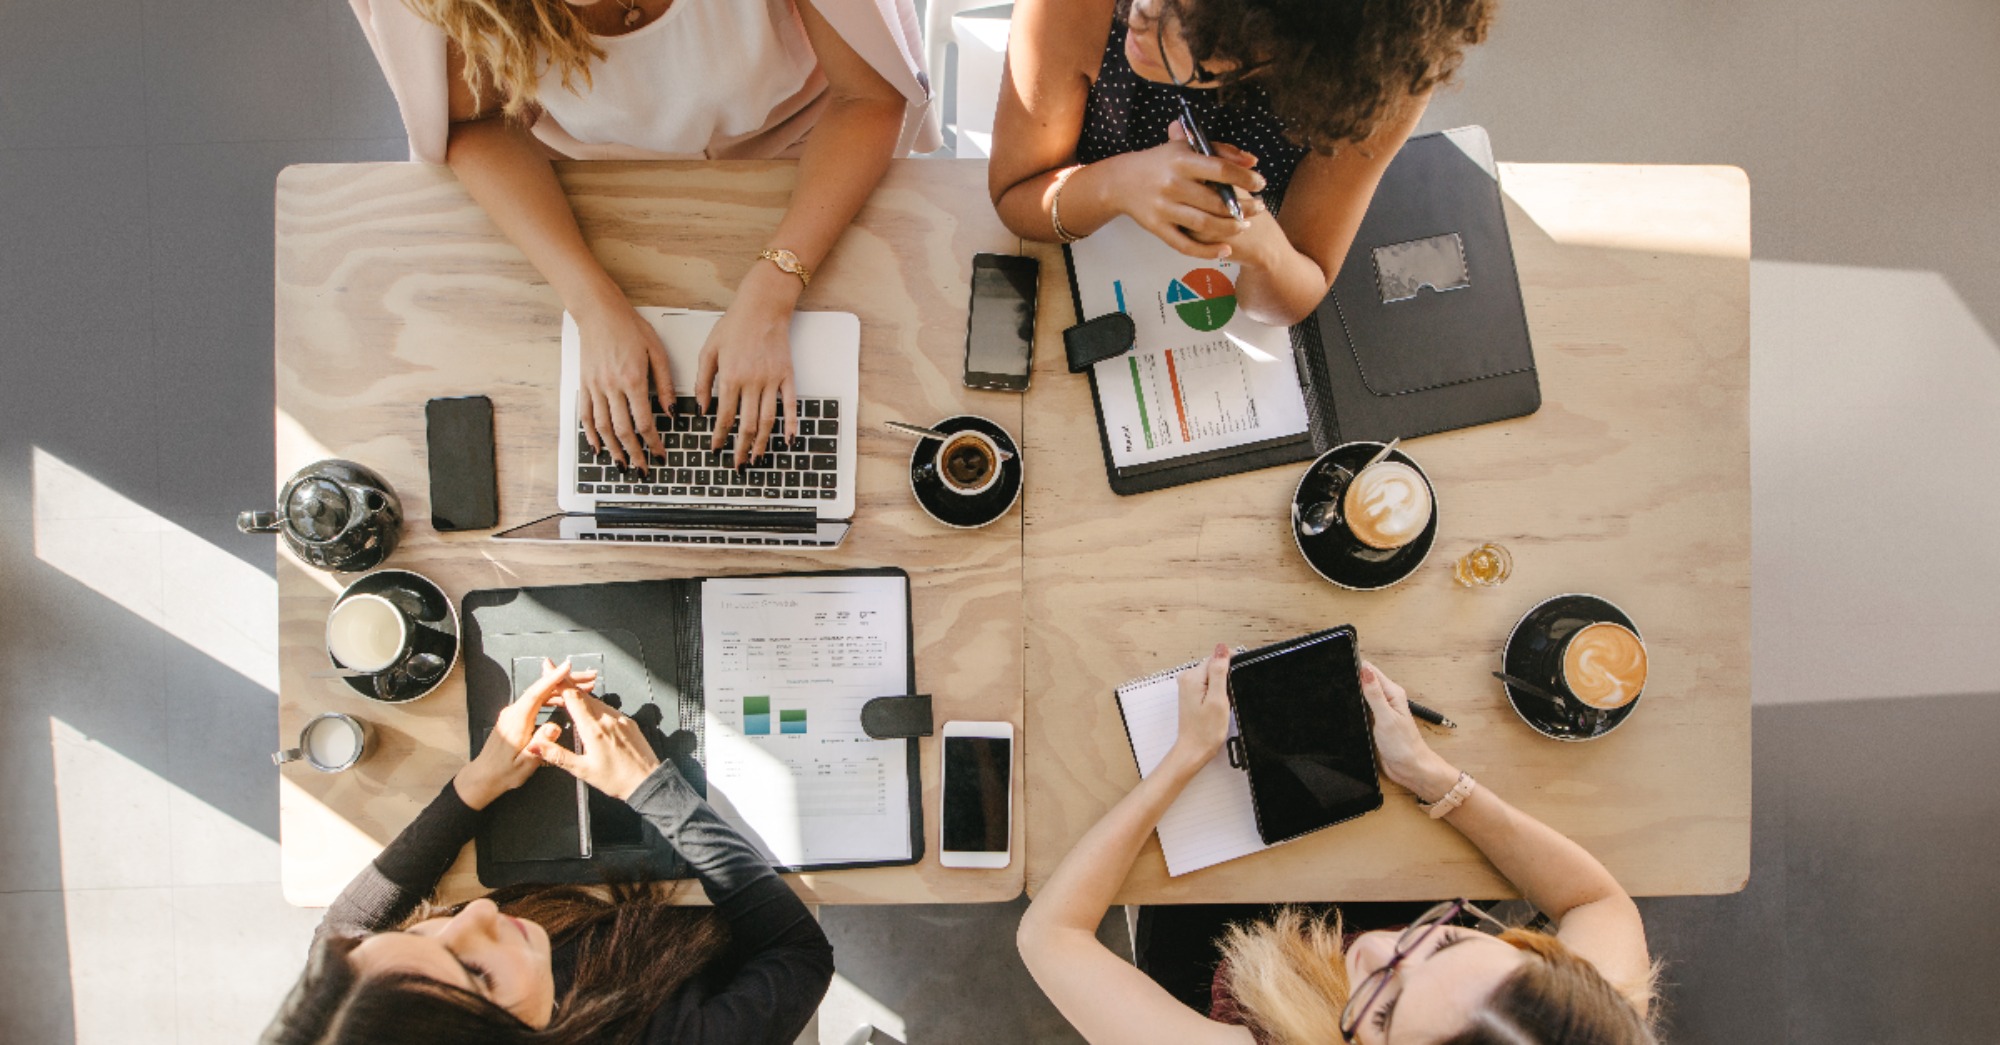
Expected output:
(393, 288)
(1632, 482)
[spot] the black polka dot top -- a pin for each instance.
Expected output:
(1126, 112)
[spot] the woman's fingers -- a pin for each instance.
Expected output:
(637, 399)
(602, 430)
(554, 754)
(767, 418)
(663, 377)
(1218, 672)
(586, 417)
(1379, 690)
(726, 401)
(790, 395)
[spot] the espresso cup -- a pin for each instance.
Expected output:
(1386, 505)
(368, 633)
(329, 743)
(969, 463)
(1604, 665)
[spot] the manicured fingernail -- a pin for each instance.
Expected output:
(1224, 254)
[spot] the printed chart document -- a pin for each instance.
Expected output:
(787, 664)
(1213, 820)
(1201, 376)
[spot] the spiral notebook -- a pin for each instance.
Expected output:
(1213, 820)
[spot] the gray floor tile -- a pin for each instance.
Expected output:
(75, 319)
(71, 74)
(103, 682)
(34, 975)
(1789, 94)
(950, 971)
(1889, 938)
(236, 70)
(358, 101)
(251, 932)
(121, 967)
(211, 261)
(221, 730)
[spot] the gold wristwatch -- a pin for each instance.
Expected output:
(789, 262)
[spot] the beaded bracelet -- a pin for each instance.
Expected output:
(1452, 799)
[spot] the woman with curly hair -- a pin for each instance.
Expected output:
(1441, 975)
(498, 88)
(1304, 101)
(561, 965)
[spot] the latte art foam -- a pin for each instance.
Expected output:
(1388, 505)
(1604, 665)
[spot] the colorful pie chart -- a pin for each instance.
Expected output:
(1204, 298)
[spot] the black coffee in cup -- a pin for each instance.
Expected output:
(969, 462)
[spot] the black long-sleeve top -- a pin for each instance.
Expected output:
(781, 962)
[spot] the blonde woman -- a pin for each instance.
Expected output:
(497, 88)
(1451, 975)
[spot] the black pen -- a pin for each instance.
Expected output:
(1199, 142)
(1419, 711)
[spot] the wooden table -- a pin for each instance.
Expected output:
(1632, 482)
(393, 287)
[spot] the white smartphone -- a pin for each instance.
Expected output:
(978, 779)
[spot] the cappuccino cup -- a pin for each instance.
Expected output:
(969, 463)
(368, 633)
(330, 743)
(1604, 665)
(1386, 505)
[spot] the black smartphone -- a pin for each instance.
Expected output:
(465, 489)
(1304, 733)
(1000, 336)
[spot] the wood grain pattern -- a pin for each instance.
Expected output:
(1632, 482)
(393, 287)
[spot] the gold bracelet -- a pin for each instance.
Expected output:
(1055, 206)
(788, 262)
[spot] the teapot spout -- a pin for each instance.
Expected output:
(257, 522)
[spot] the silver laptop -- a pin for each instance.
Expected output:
(692, 496)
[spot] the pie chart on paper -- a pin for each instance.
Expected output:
(1204, 298)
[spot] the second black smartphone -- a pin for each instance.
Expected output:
(465, 493)
(1000, 337)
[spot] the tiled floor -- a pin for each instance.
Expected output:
(138, 143)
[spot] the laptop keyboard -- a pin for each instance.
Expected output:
(692, 471)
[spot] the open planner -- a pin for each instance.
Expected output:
(1423, 331)
(752, 685)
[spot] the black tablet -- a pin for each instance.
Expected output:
(1304, 731)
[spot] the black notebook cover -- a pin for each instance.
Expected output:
(1424, 330)
(1304, 735)
(649, 633)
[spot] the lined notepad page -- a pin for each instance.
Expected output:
(1213, 819)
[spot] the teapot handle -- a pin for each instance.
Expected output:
(257, 522)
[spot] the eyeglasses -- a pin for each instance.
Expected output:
(1199, 75)
(1369, 991)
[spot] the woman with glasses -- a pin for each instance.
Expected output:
(1450, 975)
(1303, 101)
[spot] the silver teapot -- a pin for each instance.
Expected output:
(336, 515)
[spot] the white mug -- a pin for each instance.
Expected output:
(329, 743)
(368, 633)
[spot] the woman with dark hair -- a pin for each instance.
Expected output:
(561, 964)
(1240, 975)
(1304, 101)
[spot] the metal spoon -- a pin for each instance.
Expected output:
(1531, 688)
(931, 433)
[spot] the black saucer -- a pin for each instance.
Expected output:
(1335, 554)
(1534, 653)
(954, 509)
(437, 632)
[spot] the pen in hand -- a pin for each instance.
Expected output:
(1199, 142)
(1425, 714)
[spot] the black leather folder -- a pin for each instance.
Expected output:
(1424, 330)
(649, 634)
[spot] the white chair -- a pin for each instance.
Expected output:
(978, 28)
